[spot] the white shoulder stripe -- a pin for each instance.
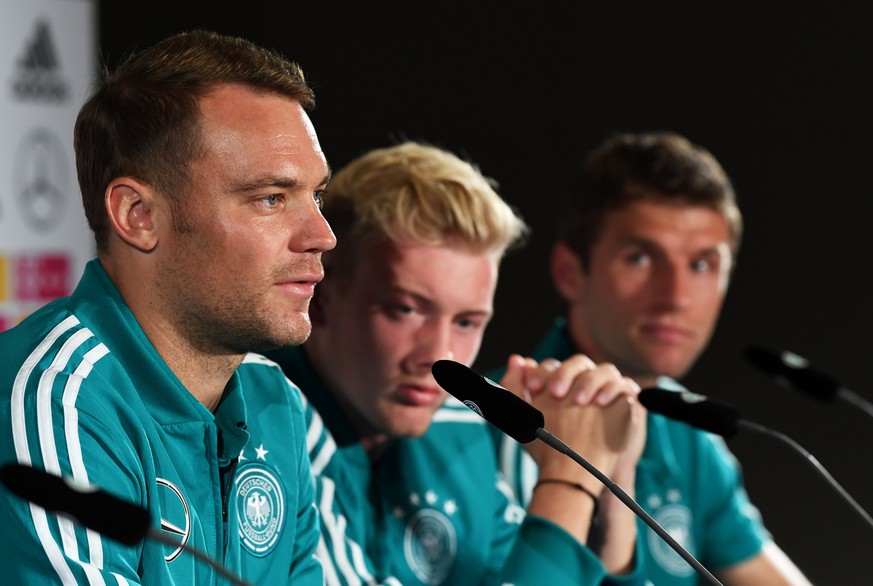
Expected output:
(314, 431)
(45, 425)
(519, 468)
(74, 448)
(71, 415)
(330, 577)
(22, 450)
(48, 447)
(320, 460)
(335, 527)
(354, 571)
(53, 552)
(360, 563)
(74, 444)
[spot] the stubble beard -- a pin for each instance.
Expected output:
(240, 330)
(221, 323)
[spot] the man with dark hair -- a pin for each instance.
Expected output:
(201, 177)
(648, 233)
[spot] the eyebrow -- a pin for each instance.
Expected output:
(426, 301)
(647, 243)
(713, 251)
(274, 181)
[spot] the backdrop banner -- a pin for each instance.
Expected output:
(47, 69)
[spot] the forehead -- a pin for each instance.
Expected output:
(666, 226)
(445, 274)
(241, 125)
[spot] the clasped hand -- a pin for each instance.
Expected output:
(591, 407)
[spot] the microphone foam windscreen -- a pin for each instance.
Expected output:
(94, 508)
(510, 414)
(695, 410)
(795, 370)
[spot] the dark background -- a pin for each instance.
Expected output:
(780, 94)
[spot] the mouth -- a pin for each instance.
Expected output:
(419, 395)
(303, 288)
(666, 334)
(302, 285)
(313, 278)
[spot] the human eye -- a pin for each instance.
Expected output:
(710, 263)
(702, 265)
(471, 322)
(272, 201)
(638, 258)
(318, 197)
(705, 265)
(399, 310)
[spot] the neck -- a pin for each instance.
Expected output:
(373, 440)
(375, 446)
(646, 381)
(204, 372)
(205, 375)
(583, 345)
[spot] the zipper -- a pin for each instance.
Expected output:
(228, 472)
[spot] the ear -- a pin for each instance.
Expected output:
(131, 208)
(567, 273)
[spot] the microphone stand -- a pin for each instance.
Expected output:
(121, 520)
(794, 371)
(159, 536)
(856, 400)
(627, 500)
(812, 461)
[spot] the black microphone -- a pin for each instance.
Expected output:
(510, 414)
(796, 372)
(524, 423)
(709, 415)
(695, 410)
(94, 508)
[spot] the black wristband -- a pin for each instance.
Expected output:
(575, 485)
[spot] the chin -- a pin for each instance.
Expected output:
(671, 364)
(294, 332)
(415, 431)
(670, 370)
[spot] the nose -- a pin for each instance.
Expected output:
(673, 286)
(432, 343)
(314, 232)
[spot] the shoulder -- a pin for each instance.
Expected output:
(692, 452)
(56, 360)
(271, 384)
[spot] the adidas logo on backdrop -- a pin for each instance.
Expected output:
(38, 78)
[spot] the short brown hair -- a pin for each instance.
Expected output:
(663, 167)
(143, 119)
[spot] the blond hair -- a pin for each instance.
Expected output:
(414, 193)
